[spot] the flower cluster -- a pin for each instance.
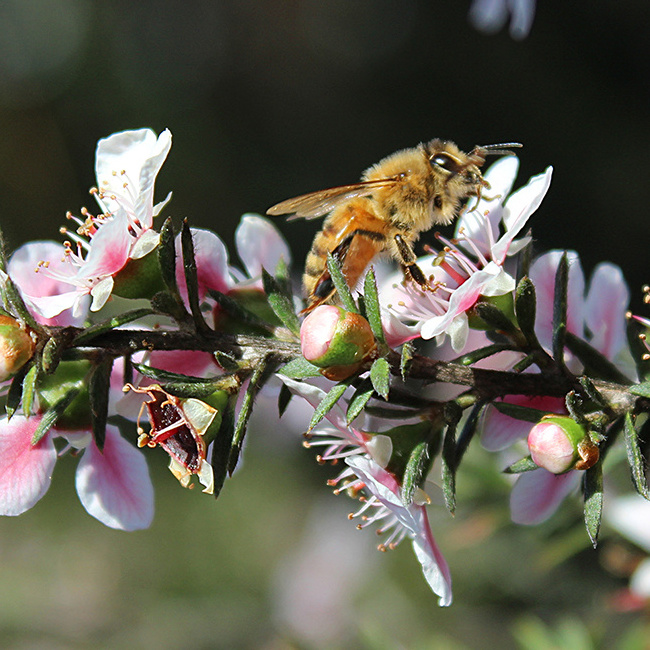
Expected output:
(135, 335)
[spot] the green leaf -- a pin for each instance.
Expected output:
(405, 359)
(520, 412)
(380, 376)
(482, 353)
(165, 376)
(359, 400)
(523, 465)
(53, 414)
(635, 458)
(284, 398)
(29, 390)
(643, 389)
(526, 309)
(299, 368)
(593, 492)
(470, 427)
(327, 404)
(345, 295)
(100, 383)
(281, 303)
(222, 446)
(84, 337)
(191, 278)
(11, 297)
(560, 309)
(493, 316)
(257, 379)
(15, 392)
(167, 257)
(372, 308)
(597, 365)
(226, 361)
(449, 468)
(418, 463)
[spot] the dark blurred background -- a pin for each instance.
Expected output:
(267, 100)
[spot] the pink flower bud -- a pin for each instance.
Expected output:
(337, 340)
(559, 444)
(16, 347)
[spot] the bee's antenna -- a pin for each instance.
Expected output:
(479, 152)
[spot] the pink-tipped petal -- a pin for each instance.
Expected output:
(605, 308)
(260, 245)
(536, 495)
(114, 486)
(25, 470)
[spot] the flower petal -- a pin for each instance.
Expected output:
(260, 245)
(542, 273)
(605, 309)
(114, 486)
(536, 495)
(25, 469)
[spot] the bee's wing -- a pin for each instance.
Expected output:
(318, 204)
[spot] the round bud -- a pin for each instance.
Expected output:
(559, 444)
(333, 338)
(16, 347)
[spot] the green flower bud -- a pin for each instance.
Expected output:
(559, 444)
(336, 340)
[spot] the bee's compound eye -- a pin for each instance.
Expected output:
(444, 161)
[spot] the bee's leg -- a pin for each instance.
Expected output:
(324, 288)
(409, 262)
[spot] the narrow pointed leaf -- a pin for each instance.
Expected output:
(299, 368)
(284, 398)
(100, 383)
(493, 316)
(523, 465)
(259, 376)
(635, 332)
(380, 376)
(560, 309)
(470, 427)
(15, 393)
(405, 359)
(359, 400)
(593, 489)
(449, 468)
(416, 467)
(372, 308)
(222, 446)
(89, 333)
(167, 257)
(191, 278)
(281, 303)
(643, 389)
(166, 376)
(519, 412)
(29, 390)
(482, 353)
(345, 295)
(526, 308)
(53, 414)
(635, 458)
(327, 404)
(226, 361)
(12, 296)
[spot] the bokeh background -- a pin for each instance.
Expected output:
(266, 100)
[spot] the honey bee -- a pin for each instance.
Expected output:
(403, 195)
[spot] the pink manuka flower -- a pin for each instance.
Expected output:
(113, 485)
(367, 455)
(42, 291)
(126, 164)
(472, 264)
(259, 245)
(599, 317)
